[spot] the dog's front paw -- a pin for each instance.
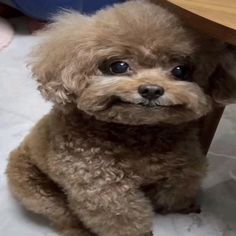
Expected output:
(159, 209)
(76, 232)
(148, 234)
(193, 208)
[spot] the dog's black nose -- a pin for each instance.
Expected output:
(150, 91)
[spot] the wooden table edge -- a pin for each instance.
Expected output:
(214, 29)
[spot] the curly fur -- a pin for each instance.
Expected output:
(98, 165)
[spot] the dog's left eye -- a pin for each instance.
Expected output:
(181, 72)
(119, 67)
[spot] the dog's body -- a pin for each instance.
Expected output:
(107, 156)
(107, 169)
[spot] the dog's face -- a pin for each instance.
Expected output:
(133, 64)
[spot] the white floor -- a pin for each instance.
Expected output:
(21, 106)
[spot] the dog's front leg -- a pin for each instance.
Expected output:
(176, 195)
(112, 209)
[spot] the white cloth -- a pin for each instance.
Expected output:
(6, 33)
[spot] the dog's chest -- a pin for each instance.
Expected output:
(120, 141)
(115, 151)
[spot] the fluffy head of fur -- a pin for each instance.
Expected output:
(72, 65)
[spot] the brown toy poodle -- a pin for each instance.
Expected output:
(129, 85)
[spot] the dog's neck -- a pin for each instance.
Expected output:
(79, 120)
(160, 138)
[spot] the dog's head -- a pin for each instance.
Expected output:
(133, 63)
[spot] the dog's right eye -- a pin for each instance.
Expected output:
(181, 72)
(119, 67)
(115, 68)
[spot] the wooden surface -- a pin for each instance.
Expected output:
(220, 11)
(214, 17)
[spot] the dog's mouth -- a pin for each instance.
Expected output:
(117, 101)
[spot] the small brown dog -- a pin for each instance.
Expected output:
(129, 85)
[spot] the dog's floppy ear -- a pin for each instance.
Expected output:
(223, 80)
(53, 61)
